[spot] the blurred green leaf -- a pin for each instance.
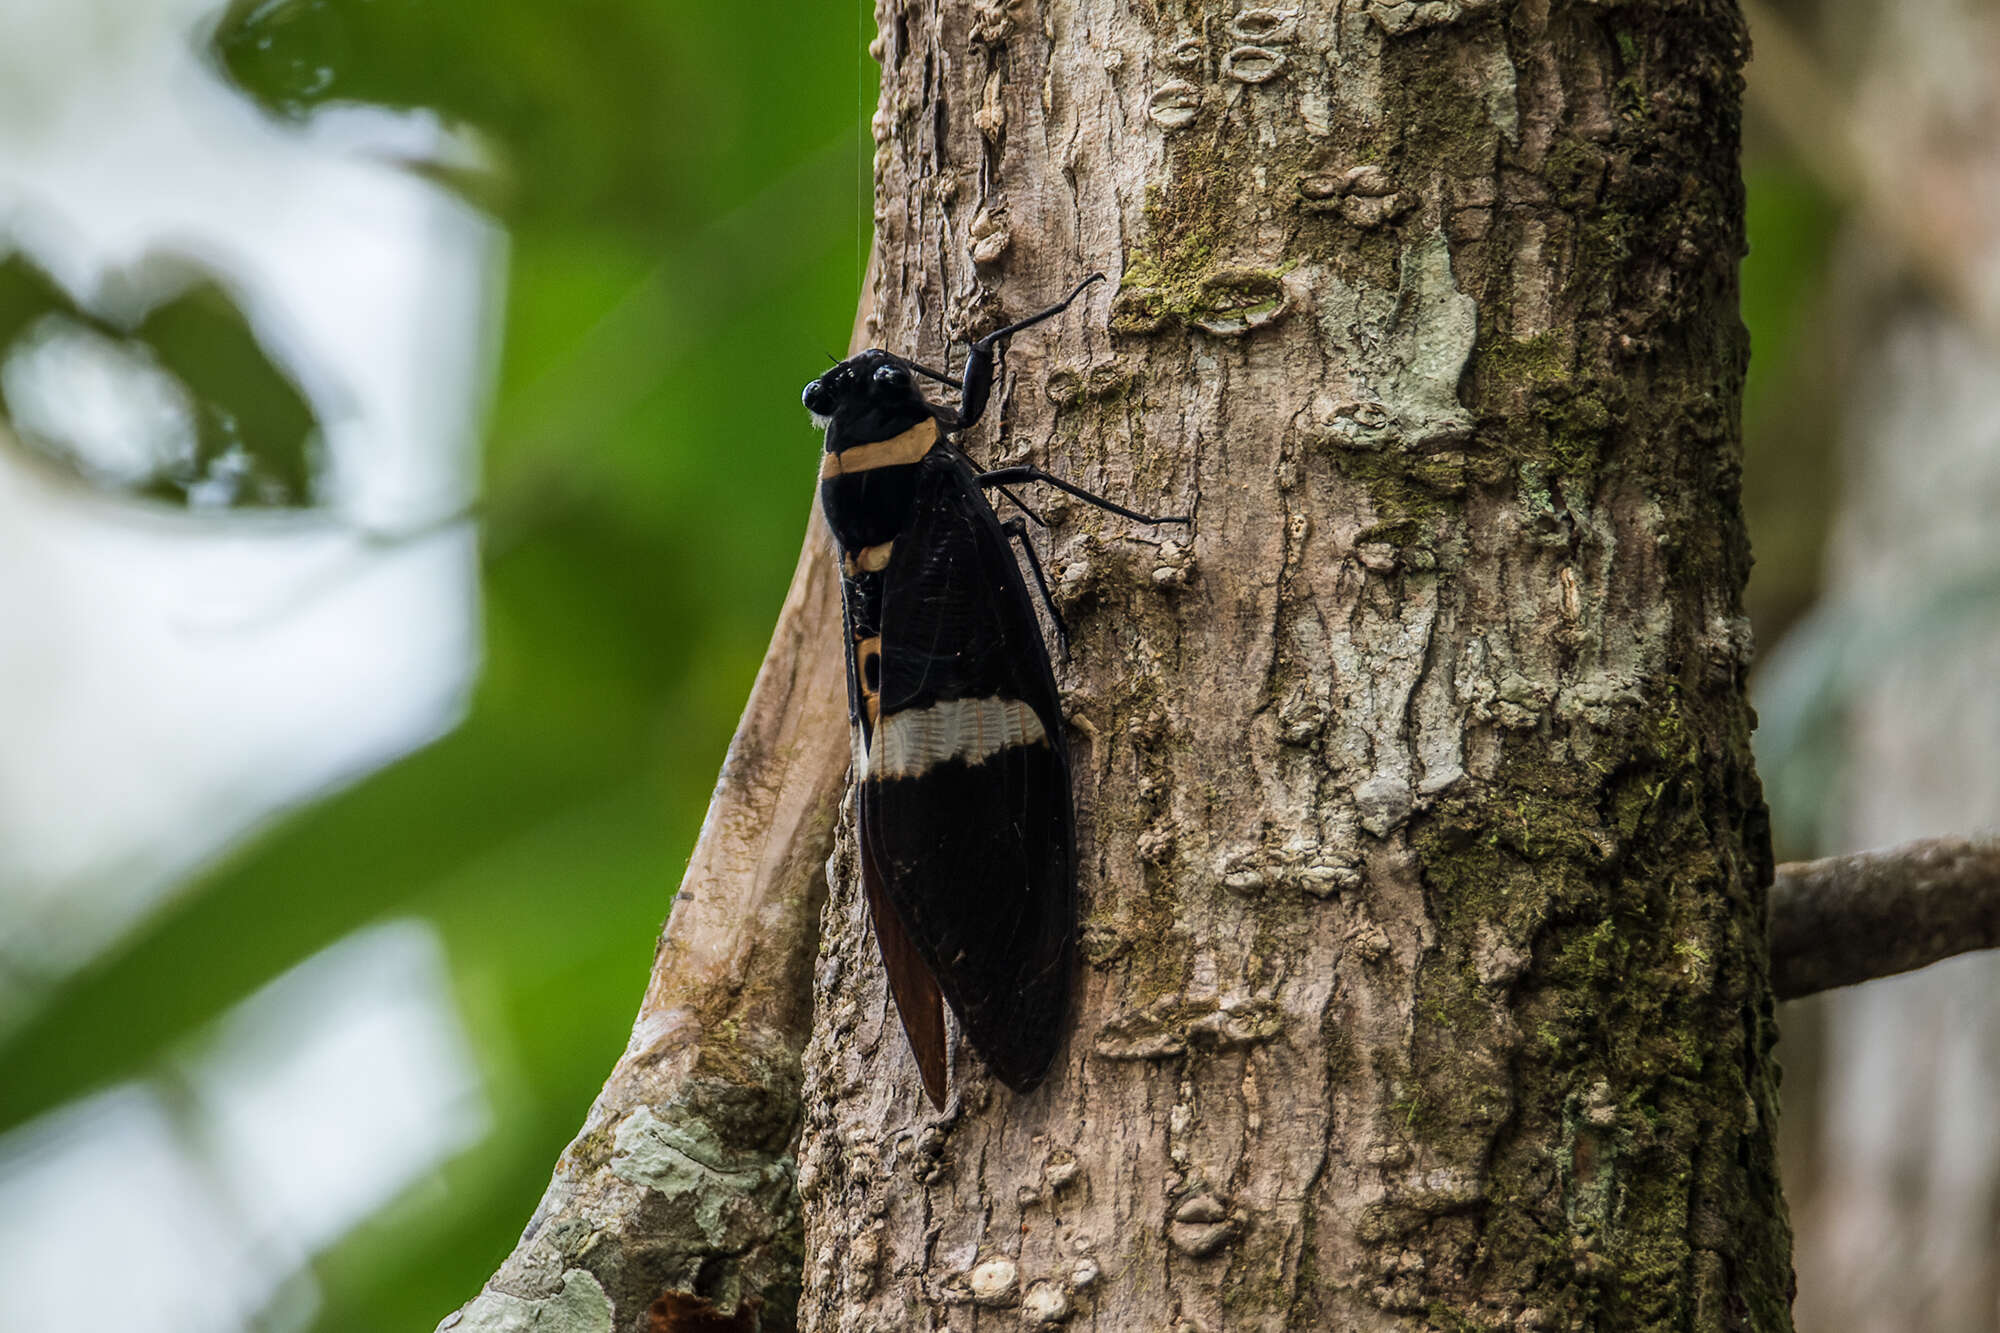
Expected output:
(251, 420)
(688, 213)
(256, 439)
(1789, 417)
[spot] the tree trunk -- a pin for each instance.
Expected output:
(1422, 858)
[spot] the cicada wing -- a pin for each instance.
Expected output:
(966, 817)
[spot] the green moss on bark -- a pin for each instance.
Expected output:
(1596, 891)
(1617, 873)
(1412, 495)
(1183, 275)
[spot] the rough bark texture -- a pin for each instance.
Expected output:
(1423, 860)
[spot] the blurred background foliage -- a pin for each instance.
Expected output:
(684, 188)
(684, 191)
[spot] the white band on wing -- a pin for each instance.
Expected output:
(911, 741)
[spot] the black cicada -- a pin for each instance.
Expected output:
(966, 829)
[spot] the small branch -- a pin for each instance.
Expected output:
(1848, 919)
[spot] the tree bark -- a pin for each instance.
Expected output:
(1423, 862)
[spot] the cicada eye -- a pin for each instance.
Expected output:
(891, 377)
(815, 397)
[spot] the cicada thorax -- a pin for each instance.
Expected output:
(868, 490)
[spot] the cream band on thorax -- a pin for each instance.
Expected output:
(908, 447)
